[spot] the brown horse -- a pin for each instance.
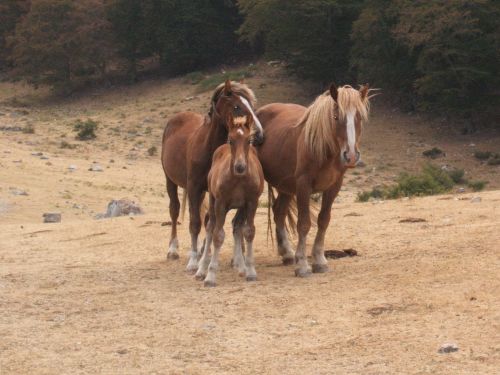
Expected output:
(235, 180)
(189, 141)
(308, 150)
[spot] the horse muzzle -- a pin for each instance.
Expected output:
(349, 159)
(240, 169)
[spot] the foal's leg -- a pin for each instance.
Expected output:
(320, 264)
(249, 233)
(174, 214)
(196, 196)
(238, 259)
(205, 258)
(280, 210)
(303, 226)
(218, 238)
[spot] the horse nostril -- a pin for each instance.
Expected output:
(346, 158)
(240, 168)
(358, 155)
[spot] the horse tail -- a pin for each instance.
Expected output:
(292, 214)
(270, 203)
(183, 204)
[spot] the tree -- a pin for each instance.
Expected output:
(62, 43)
(312, 36)
(10, 13)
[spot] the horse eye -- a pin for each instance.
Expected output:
(236, 107)
(230, 141)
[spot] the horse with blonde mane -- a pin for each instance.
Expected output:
(308, 150)
(189, 141)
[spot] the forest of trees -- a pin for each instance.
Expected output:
(430, 54)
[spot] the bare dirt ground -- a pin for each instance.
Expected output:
(98, 296)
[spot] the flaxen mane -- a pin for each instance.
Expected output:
(319, 117)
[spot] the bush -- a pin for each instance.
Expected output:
(152, 151)
(482, 155)
(477, 185)
(86, 129)
(432, 180)
(433, 153)
(214, 80)
(67, 145)
(194, 77)
(495, 160)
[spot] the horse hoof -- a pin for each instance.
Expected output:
(172, 256)
(288, 261)
(199, 277)
(320, 268)
(252, 278)
(301, 273)
(241, 273)
(191, 271)
(209, 284)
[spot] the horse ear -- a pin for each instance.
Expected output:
(333, 91)
(363, 91)
(227, 88)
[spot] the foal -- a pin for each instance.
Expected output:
(235, 180)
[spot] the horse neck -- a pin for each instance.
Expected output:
(217, 134)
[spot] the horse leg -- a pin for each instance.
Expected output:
(280, 210)
(196, 196)
(320, 264)
(303, 226)
(174, 214)
(205, 257)
(238, 259)
(218, 238)
(249, 233)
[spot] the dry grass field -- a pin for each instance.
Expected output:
(89, 296)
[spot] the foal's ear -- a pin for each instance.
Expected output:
(363, 91)
(227, 88)
(333, 91)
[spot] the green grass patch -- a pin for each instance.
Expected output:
(194, 77)
(211, 82)
(431, 181)
(85, 129)
(152, 151)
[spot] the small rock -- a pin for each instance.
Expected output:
(361, 164)
(461, 190)
(448, 348)
(123, 207)
(15, 191)
(122, 351)
(43, 157)
(475, 200)
(51, 217)
(96, 168)
(72, 167)
(36, 153)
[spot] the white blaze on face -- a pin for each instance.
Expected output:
(351, 132)
(240, 131)
(255, 119)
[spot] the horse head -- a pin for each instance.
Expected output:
(233, 103)
(350, 110)
(239, 139)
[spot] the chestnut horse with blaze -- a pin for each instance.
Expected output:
(308, 150)
(236, 181)
(189, 141)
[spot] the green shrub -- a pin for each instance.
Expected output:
(495, 160)
(482, 155)
(433, 153)
(152, 151)
(86, 129)
(67, 145)
(376, 193)
(457, 175)
(477, 185)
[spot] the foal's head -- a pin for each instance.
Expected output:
(233, 102)
(239, 140)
